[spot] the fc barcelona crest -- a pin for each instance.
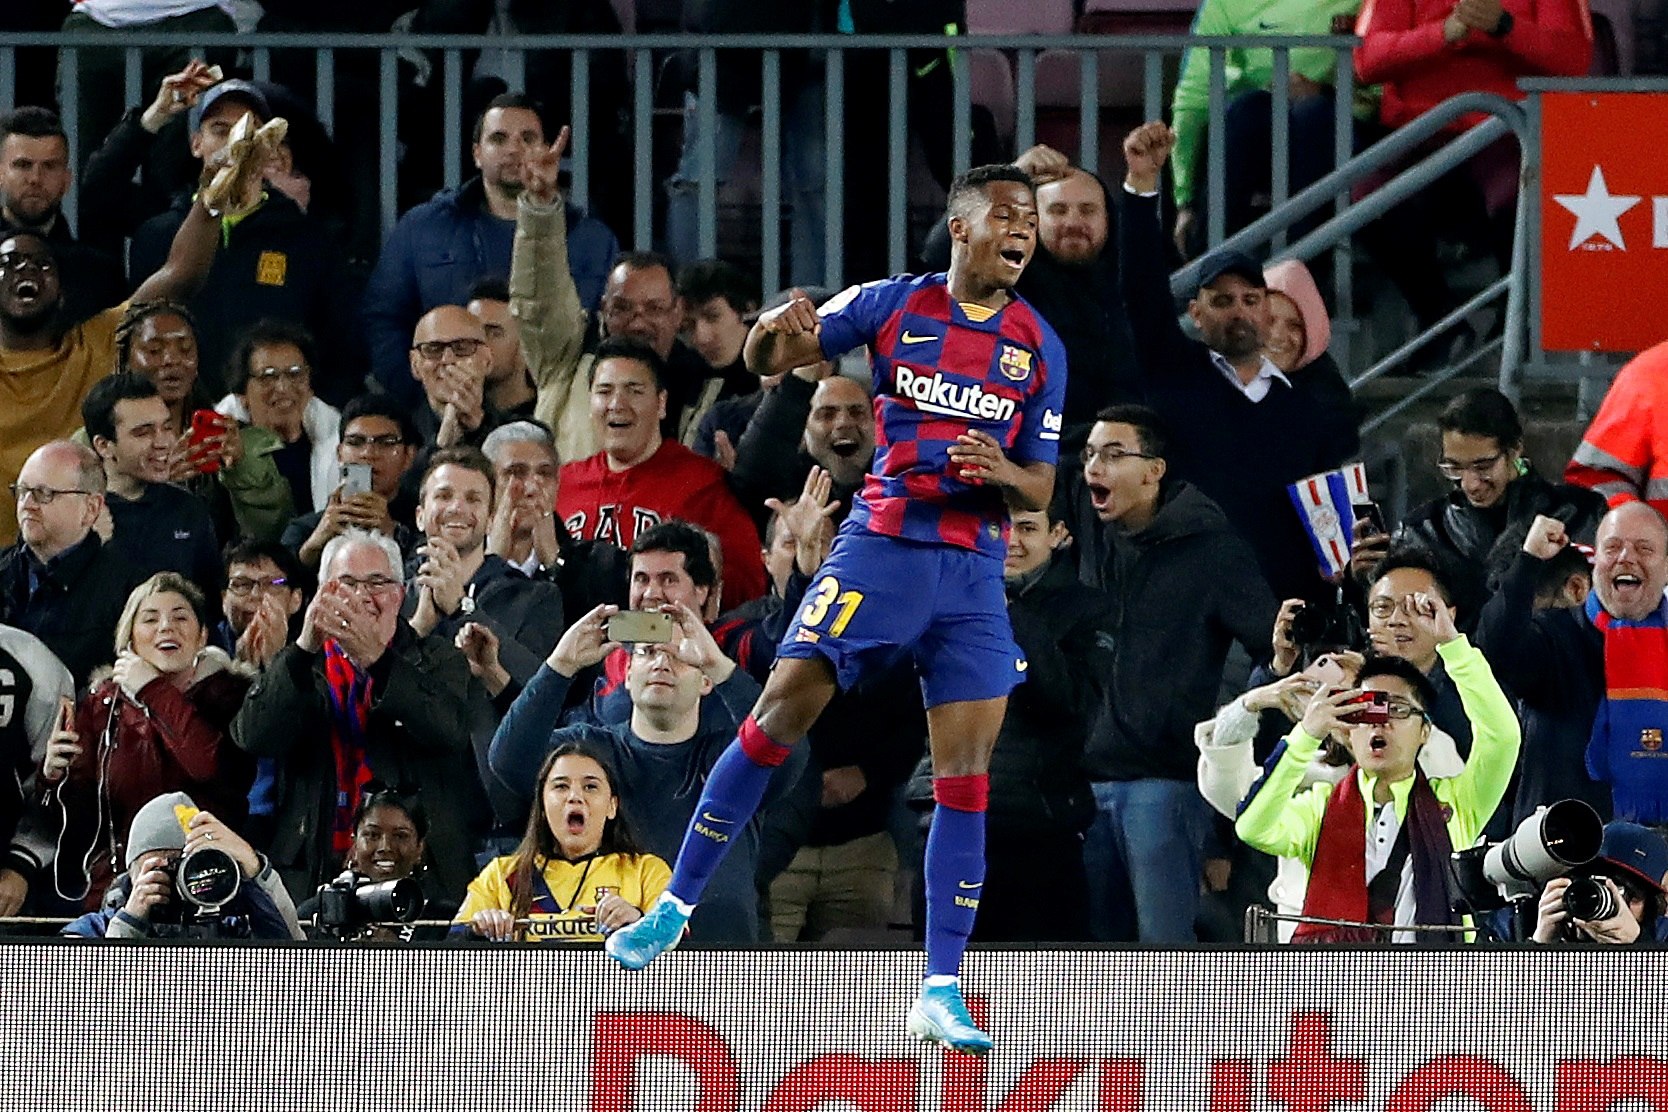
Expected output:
(1015, 363)
(1650, 739)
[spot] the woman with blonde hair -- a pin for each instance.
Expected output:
(158, 721)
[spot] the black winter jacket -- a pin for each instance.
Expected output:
(1181, 589)
(418, 743)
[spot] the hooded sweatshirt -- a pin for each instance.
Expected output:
(1181, 589)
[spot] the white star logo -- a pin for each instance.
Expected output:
(1597, 212)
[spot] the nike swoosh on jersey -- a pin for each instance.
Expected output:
(964, 884)
(710, 817)
(910, 338)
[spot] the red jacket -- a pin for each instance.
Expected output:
(1402, 47)
(167, 740)
(1624, 453)
(599, 504)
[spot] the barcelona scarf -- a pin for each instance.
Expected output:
(1625, 749)
(1338, 885)
(348, 690)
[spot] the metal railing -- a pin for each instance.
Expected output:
(1142, 62)
(1505, 118)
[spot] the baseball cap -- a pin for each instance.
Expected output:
(159, 825)
(1218, 263)
(246, 91)
(1635, 850)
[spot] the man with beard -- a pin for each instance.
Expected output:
(46, 366)
(441, 248)
(34, 179)
(1241, 432)
(1073, 282)
(454, 580)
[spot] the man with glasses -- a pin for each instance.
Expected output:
(266, 587)
(450, 359)
(641, 302)
(378, 433)
(1476, 528)
(1408, 572)
(359, 696)
(1184, 586)
(1378, 844)
(60, 581)
(444, 246)
(47, 366)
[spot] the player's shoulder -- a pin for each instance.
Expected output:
(884, 293)
(1022, 321)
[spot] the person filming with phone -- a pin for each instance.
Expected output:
(1377, 844)
(687, 701)
(376, 449)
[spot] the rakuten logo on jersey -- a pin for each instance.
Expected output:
(935, 394)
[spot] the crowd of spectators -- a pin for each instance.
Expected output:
(332, 583)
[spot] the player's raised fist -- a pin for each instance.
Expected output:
(795, 318)
(1146, 150)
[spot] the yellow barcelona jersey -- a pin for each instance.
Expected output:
(564, 905)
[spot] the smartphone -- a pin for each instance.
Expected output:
(640, 627)
(66, 714)
(206, 425)
(1373, 516)
(1375, 709)
(356, 479)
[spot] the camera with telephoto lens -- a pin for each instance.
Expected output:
(207, 879)
(1547, 844)
(352, 902)
(1589, 899)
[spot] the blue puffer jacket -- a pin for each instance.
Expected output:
(438, 251)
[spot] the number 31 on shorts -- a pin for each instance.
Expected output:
(827, 595)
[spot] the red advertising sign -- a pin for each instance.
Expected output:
(1604, 221)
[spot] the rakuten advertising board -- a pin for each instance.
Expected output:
(497, 1029)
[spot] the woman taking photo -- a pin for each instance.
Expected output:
(578, 873)
(157, 722)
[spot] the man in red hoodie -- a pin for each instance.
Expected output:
(640, 479)
(1425, 51)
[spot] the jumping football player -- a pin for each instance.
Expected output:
(969, 384)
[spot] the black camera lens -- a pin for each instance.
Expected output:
(1589, 899)
(208, 878)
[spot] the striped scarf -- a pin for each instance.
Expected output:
(348, 690)
(1625, 749)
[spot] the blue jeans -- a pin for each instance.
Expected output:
(802, 179)
(1145, 854)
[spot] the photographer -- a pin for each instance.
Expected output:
(146, 901)
(390, 838)
(1378, 845)
(1630, 866)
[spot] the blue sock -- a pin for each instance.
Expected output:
(734, 789)
(955, 870)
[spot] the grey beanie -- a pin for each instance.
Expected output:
(157, 826)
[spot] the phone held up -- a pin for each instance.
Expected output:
(640, 627)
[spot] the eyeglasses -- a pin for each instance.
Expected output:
(1478, 467)
(16, 260)
(463, 347)
(371, 584)
(373, 443)
(1384, 607)
(1108, 454)
(292, 374)
(1400, 710)
(43, 496)
(625, 310)
(241, 585)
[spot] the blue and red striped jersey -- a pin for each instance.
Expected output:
(941, 367)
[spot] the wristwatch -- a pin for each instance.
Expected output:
(1504, 26)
